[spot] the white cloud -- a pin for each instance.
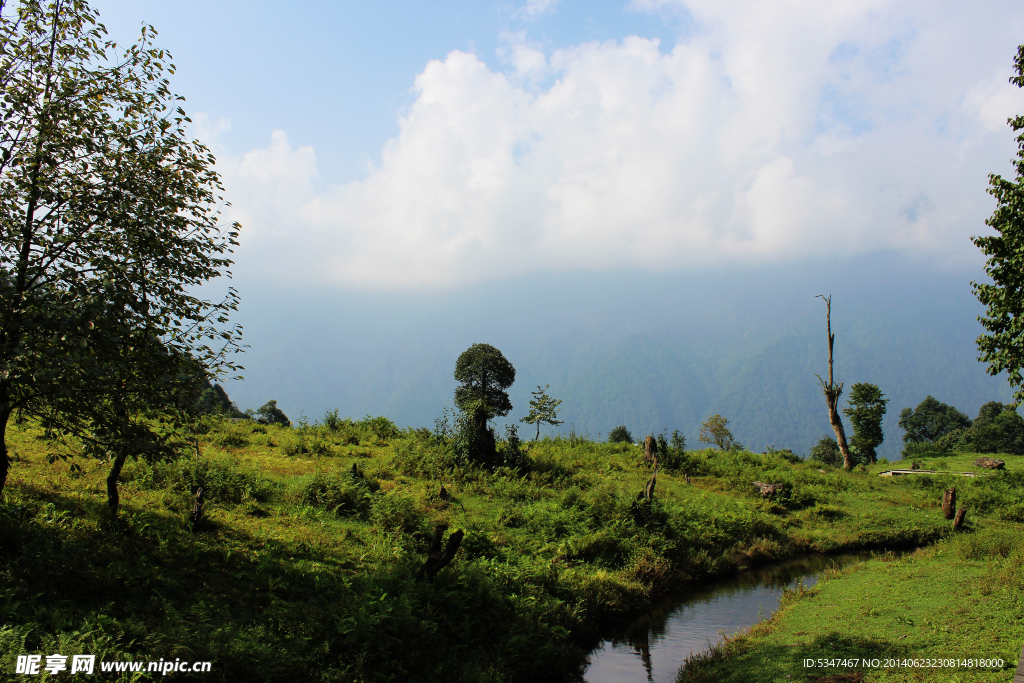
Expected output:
(780, 131)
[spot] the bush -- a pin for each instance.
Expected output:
(395, 513)
(381, 427)
(270, 414)
(827, 452)
(344, 494)
(620, 435)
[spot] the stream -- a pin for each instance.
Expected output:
(653, 647)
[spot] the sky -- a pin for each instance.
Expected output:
(426, 149)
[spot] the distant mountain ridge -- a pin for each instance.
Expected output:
(651, 351)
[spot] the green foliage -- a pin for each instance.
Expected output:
(543, 409)
(215, 401)
(620, 435)
(866, 411)
(484, 374)
(223, 479)
(270, 414)
(116, 208)
(343, 494)
(715, 430)
(394, 512)
(827, 452)
(382, 428)
(998, 429)
(472, 439)
(672, 451)
(931, 420)
(1003, 347)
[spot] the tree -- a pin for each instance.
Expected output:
(270, 414)
(109, 222)
(484, 374)
(833, 391)
(1003, 347)
(826, 451)
(867, 408)
(543, 408)
(930, 420)
(715, 430)
(620, 435)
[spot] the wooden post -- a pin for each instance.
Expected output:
(959, 521)
(949, 503)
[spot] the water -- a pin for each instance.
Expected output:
(653, 647)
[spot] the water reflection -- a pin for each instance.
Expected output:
(653, 647)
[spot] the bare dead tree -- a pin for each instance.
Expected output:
(833, 391)
(438, 559)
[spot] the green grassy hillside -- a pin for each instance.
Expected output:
(303, 571)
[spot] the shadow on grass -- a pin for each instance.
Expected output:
(143, 587)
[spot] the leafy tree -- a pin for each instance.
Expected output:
(833, 391)
(620, 435)
(484, 375)
(671, 451)
(1003, 347)
(215, 401)
(270, 414)
(109, 223)
(543, 408)
(867, 408)
(930, 420)
(998, 429)
(826, 451)
(715, 430)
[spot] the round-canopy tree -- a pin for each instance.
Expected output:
(108, 222)
(484, 375)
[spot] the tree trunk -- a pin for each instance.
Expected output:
(949, 503)
(959, 521)
(650, 450)
(5, 462)
(113, 500)
(537, 438)
(834, 391)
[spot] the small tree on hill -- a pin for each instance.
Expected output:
(867, 408)
(484, 375)
(270, 414)
(715, 430)
(620, 435)
(826, 451)
(543, 408)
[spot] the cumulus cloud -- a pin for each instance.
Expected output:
(775, 132)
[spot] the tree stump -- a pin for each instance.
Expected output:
(650, 450)
(949, 503)
(767, 489)
(959, 521)
(989, 463)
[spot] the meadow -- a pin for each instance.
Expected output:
(304, 563)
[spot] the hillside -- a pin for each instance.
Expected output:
(304, 562)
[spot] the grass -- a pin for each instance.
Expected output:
(959, 599)
(304, 571)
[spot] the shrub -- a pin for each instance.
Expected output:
(395, 513)
(620, 435)
(270, 414)
(826, 452)
(343, 494)
(381, 427)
